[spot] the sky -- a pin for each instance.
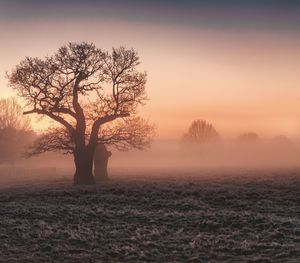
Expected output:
(234, 63)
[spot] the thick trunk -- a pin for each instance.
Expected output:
(101, 157)
(83, 159)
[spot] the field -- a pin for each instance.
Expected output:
(222, 218)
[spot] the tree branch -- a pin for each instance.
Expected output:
(101, 121)
(52, 116)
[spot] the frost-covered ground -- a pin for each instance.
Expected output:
(218, 219)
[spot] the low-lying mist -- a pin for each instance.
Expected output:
(227, 154)
(166, 158)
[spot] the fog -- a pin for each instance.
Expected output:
(166, 158)
(227, 154)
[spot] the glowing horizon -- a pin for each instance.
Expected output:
(238, 70)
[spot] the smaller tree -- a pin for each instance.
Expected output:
(200, 131)
(101, 157)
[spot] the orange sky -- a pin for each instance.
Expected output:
(240, 80)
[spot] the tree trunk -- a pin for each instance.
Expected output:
(83, 159)
(101, 157)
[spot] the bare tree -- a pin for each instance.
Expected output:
(15, 131)
(83, 89)
(200, 131)
(11, 115)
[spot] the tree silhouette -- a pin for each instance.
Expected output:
(15, 131)
(93, 95)
(201, 131)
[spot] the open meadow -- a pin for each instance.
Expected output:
(245, 216)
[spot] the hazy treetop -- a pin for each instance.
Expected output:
(201, 131)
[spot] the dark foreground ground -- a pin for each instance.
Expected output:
(232, 219)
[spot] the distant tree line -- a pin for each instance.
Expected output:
(201, 131)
